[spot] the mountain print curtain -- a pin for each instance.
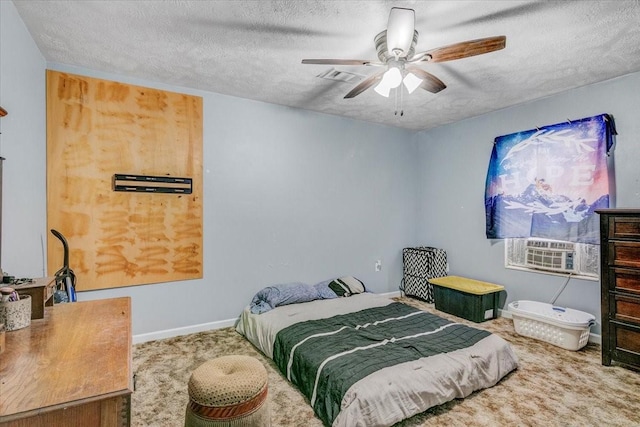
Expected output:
(547, 182)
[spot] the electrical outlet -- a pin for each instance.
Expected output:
(379, 265)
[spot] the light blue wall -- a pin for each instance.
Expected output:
(453, 167)
(23, 144)
(289, 195)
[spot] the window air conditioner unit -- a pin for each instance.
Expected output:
(551, 255)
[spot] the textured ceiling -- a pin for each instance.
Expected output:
(253, 49)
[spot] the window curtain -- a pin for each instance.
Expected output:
(548, 181)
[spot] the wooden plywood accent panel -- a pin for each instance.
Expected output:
(95, 129)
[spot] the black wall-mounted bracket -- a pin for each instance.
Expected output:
(152, 184)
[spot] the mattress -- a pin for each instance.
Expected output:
(395, 390)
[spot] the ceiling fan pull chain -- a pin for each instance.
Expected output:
(395, 98)
(401, 99)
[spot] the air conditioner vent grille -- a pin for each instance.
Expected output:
(550, 244)
(340, 76)
(545, 259)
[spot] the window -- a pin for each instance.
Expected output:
(557, 257)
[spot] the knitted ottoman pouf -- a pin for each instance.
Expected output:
(228, 391)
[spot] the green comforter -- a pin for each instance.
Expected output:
(325, 357)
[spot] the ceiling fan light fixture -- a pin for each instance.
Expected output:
(400, 28)
(391, 79)
(411, 82)
(383, 90)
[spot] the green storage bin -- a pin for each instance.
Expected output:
(467, 298)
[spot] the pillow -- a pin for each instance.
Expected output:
(346, 286)
(324, 290)
(288, 293)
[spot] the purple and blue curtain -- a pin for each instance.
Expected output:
(548, 181)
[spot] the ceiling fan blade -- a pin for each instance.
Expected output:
(430, 82)
(400, 28)
(365, 84)
(339, 62)
(464, 49)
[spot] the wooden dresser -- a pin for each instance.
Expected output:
(72, 368)
(620, 285)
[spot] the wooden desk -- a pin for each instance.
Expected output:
(72, 368)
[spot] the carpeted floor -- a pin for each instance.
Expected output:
(552, 387)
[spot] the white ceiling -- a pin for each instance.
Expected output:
(253, 49)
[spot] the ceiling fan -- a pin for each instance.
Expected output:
(396, 50)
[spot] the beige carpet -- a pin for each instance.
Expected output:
(552, 387)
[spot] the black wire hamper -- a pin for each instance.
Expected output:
(419, 265)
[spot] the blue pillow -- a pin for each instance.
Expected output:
(288, 293)
(324, 290)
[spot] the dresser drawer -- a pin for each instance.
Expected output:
(627, 309)
(624, 280)
(627, 339)
(624, 227)
(624, 254)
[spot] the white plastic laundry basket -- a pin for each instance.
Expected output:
(564, 327)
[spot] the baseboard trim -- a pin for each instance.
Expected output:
(595, 338)
(504, 313)
(186, 330)
(394, 294)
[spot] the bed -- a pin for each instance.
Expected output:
(367, 360)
